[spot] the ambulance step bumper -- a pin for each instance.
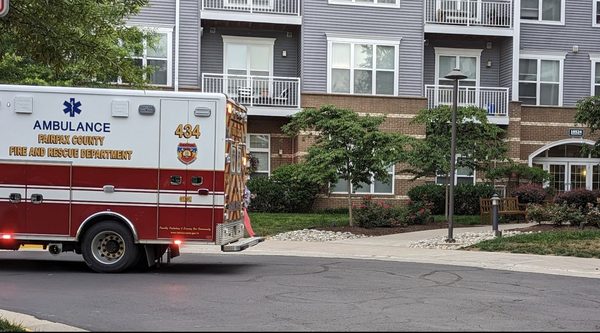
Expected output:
(241, 244)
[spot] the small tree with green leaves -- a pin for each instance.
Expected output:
(348, 146)
(478, 142)
(588, 114)
(72, 43)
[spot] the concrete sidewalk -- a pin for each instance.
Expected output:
(395, 247)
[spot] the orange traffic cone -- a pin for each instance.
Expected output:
(247, 223)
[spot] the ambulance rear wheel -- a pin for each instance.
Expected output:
(108, 247)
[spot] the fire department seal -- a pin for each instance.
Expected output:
(187, 152)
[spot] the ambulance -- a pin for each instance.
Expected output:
(122, 177)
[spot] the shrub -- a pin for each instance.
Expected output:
(466, 197)
(538, 213)
(287, 190)
(417, 213)
(371, 214)
(530, 193)
(429, 193)
(580, 198)
(563, 213)
(593, 215)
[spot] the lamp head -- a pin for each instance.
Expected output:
(456, 74)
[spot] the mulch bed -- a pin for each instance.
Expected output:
(442, 225)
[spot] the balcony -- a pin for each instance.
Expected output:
(263, 95)
(491, 17)
(262, 11)
(494, 100)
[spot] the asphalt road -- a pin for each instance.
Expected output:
(198, 292)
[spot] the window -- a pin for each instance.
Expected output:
(159, 56)
(386, 3)
(544, 11)
(248, 61)
(540, 81)
(596, 77)
(467, 60)
(596, 14)
(376, 186)
(260, 149)
(463, 175)
(362, 67)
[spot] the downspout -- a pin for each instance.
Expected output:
(516, 49)
(176, 84)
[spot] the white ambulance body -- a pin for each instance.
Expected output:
(121, 176)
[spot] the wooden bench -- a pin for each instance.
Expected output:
(507, 207)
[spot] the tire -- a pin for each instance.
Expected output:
(108, 247)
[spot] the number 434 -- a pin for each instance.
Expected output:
(187, 131)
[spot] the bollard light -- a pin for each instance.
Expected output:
(495, 203)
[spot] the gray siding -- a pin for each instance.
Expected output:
(506, 63)
(189, 43)
(489, 77)
(157, 12)
(321, 18)
(578, 30)
(212, 49)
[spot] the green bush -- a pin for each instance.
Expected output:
(432, 193)
(564, 213)
(418, 213)
(288, 190)
(466, 197)
(580, 198)
(530, 193)
(538, 213)
(371, 214)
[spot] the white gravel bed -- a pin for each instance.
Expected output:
(461, 240)
(312, 235)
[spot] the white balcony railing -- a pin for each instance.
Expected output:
(270, 91)
(490, 13)
(279, 7)
(494, 100)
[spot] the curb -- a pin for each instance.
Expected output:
(33, 324)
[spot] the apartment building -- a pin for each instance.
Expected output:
(527, 63)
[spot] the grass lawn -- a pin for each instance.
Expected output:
(268, 224)
(6, 326)
(585, 243)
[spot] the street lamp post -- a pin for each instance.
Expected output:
(455, 75)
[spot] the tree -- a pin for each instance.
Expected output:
(478, 142)
(588, 114)
(349, 146)
(71, 43)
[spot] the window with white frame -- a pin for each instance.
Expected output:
(596, 14)
(596, 77)
(540, 81)
(259, 146)
(159, 56)
(386, 3)
(362, 67)
(462, 175)
(467, 60)
(544, 11)
(376, 186)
